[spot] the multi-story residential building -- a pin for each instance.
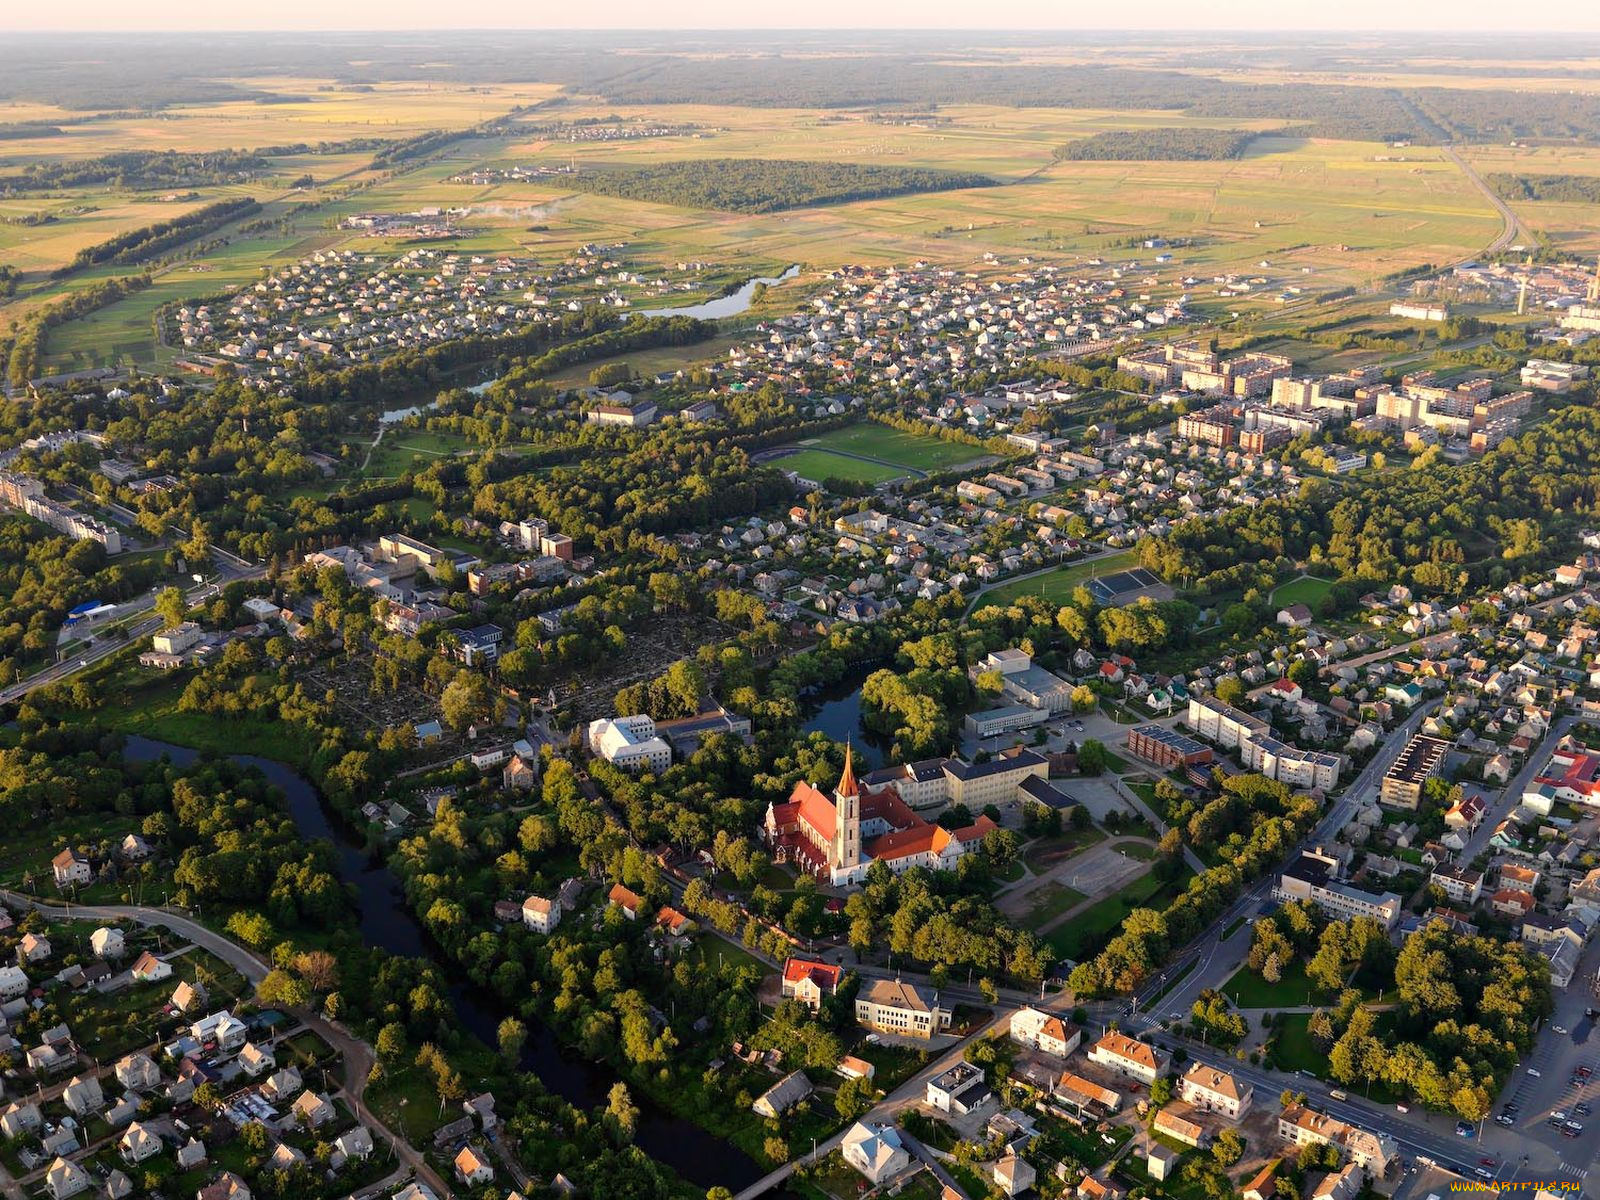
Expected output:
(1302, 1126)
(1215, 1091)
(1167, 748)
(1461, 884)
(1290, 764)
(1313, 877)
(1128, 1056)
(1224, 724)
(1419, 762)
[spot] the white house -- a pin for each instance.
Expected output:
(83, 1096)
(106, 942)
(137, 1144)
(65, 1178)
(876, 1151)
(541, 915)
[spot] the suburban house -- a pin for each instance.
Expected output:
(959, 1090)
(810, 982)
(472, 1168)
(138, 1073)
(1128, 1056)
(312, 1110)
(783, 1095)
(137, 1144)
(1190, 1133)
(876, 1151)
(71, 868)
(106, 943)
(255, 1061)
(1013, 1175)
(541, 915)
(150, 969)
(1044, 1031)
(1084, 1093)
(626, 900)
(65, 1178)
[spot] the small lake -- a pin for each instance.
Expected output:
(731, 305)
(836, 711)
(385, 921)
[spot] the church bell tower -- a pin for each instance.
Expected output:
(847, 817)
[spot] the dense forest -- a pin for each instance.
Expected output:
(1560, 189)
(147, 241)
(1164, 144)
(762, 185)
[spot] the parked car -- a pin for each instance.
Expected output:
(1534, 1071)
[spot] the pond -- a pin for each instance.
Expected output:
(836, 711)
(387, 922)
(731, 305)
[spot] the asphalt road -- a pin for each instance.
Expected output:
(106, 646)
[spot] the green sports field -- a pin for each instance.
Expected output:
(885, 454)
(819, 465)
(1057, 586)
(897, 448)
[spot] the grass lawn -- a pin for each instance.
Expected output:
(713, 949)
(1086, 933)
(1308, 590)
(1047, 852)
(1295, 1049)
(1056, 586)
(1249, 990)
(1049, 902)
(141, 703)
(821, 465)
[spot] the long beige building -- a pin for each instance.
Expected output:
(895, 1007)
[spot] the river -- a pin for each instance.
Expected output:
(385, 921)
(731, 305)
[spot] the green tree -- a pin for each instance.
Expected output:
(171, 607)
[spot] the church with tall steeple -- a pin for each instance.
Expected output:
(836, 838)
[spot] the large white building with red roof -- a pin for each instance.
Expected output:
(1572, 774)
(837, 838)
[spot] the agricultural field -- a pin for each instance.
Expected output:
(1057, 586)
(1324, 213)
(1571, 227)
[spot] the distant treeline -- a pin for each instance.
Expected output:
(1563, 189)
(1320, 110)
(1166, 144)
(22, 352)
(147, 241)
(423, 144)
(12, 131)
(763, 185)
(138, 169)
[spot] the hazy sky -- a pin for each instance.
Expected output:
(1445, 16)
